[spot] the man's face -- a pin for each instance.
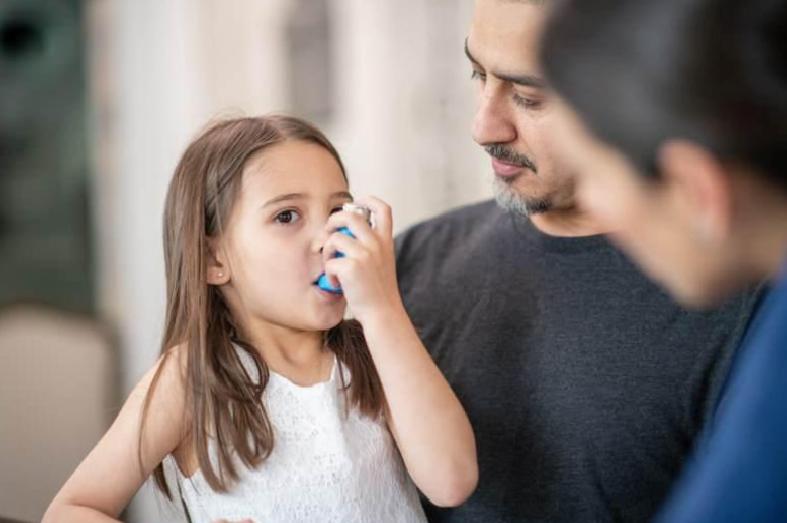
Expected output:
(514, 107)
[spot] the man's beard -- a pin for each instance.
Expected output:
(509, 199)
(505, 194)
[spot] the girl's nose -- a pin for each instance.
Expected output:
(318, 241)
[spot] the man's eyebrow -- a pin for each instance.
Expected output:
(525, 80)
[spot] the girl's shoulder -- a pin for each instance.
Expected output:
(160, 399)
(165, 382)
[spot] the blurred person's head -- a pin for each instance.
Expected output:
(514, 109)
(676, 122)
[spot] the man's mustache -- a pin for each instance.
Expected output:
(508, 155)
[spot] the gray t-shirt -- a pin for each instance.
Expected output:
(586, 385)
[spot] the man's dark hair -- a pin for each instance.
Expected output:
(712, 71)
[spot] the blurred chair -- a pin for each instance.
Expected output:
(57, 397)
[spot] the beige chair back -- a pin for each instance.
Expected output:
(58, 395)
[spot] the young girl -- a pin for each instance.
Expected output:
(266, 403)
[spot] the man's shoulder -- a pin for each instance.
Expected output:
(466, 215)
(456, 223)
(430, 246)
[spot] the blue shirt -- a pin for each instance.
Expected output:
(742, 474)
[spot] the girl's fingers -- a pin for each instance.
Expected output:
(336, 269)
(353, 221)
(340, 242)
(382, 215)
(336, 243)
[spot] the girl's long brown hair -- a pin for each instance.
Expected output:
(222, 401)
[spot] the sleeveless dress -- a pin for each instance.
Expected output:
(326, 465)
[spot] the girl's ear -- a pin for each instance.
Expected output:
(701, 183)
(218, 269)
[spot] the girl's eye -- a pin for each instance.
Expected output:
(477, 75)
(336, 209)
(287, 217)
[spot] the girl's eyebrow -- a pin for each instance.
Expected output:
(342, 194)
(285, 197)
(301, 196)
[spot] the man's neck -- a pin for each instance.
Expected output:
(569, 222)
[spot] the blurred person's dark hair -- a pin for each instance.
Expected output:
(710, 71)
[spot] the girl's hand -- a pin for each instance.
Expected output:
(367, 272)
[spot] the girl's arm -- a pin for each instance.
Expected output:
(107, 479)
(426, 419)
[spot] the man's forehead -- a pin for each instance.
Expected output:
(504, 34)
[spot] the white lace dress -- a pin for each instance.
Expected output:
(325, 466)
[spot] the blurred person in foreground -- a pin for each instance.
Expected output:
(676, 119)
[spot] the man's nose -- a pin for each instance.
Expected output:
(493, 122)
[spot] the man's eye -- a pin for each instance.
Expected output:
(477, 75)
(288, 216)
(336, 209)
(527, 103)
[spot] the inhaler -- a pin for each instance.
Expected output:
(323, 282)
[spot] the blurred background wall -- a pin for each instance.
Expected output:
(97, 100)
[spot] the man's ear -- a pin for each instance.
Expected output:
(700, 184)
(218, 269)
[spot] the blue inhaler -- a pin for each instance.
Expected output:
(322, 281)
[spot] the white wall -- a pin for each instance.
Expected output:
(406, 105)
(161, 69)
